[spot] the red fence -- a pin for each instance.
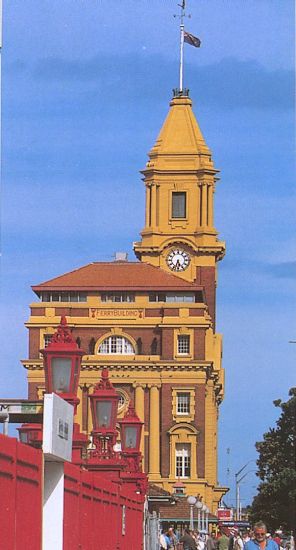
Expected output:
(20, 495)
(98, 514)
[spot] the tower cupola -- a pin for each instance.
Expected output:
(180, 177)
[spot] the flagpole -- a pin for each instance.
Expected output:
(182, 45)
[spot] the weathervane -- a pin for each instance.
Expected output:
(185, 37)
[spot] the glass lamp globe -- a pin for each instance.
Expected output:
(191, 500)
(204, 508)
(199, 504)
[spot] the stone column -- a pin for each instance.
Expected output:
(210, 434)
(148, 221)
(204, 205)
(140, 410)
(210, 206)
(153, 205)
(154, 447)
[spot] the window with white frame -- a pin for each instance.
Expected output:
(183, 344)
(172, 297)
(183, 460)
(116, 345)
(63, 296)
(118, 297)
(183, 403)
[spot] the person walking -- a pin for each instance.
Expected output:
(188, 541)
(223, 542)
(260, 541)
(238, 542)
(211, 543)
(172, 538)
(163, 541)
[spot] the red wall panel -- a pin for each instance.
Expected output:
(21, 495)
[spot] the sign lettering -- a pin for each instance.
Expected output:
(97, 313)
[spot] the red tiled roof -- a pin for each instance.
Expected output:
(118, 275)
(180, 511)
(154, 490)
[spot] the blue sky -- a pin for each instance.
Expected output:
(86, 86)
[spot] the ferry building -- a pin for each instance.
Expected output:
(151, 321)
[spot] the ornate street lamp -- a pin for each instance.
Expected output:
(131, 428)
(62, 363)
(123, 466)
(199, 506)
(104, 405)
(191, 501)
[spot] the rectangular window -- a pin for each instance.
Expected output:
(157, 297)
(183, 403)
(63, 296)
(118, 297)
(182, 460)
(178, 205)
(171, 297)
(183, 297)
(184, 344)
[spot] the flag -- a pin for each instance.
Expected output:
(190, 39)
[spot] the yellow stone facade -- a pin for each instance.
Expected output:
(156, 375)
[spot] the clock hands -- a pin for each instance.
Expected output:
(178, 259)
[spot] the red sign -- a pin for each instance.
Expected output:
(224, 514)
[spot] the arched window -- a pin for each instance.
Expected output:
(116, 345)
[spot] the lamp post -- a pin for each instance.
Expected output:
(62, 364)
(123, 466)
(104, 405)
(199, 506)
(191, 501)
(131, 428)
(203, 522)
(207, 511)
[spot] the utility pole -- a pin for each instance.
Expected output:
(237, 490)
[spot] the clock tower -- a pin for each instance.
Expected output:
(180, 178)
(152, 322)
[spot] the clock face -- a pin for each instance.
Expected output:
(178, 259)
